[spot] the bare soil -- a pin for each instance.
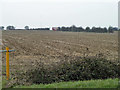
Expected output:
(50, 47)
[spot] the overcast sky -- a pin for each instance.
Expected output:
(48, 13)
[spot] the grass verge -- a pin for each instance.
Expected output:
(107, 83)
(4, 81)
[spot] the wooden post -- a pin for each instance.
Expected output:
(7, 63)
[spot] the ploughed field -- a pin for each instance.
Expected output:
(51, 47)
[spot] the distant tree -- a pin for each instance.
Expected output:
(10, 28)
(73, 28)
(110, 29)
(93, 29)
(58, 28)
(105, 29)
(115, 29)
(87, 29)
(27, 27)
(81, 29)
(63, 28)
(1, 27)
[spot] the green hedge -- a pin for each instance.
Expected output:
(73, 70)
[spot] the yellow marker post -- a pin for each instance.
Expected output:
(7, 63)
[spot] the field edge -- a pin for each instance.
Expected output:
(107, 83)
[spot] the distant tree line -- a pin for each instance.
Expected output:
(87, 29)
(73, 28)
(39, 29)
(10, 28)
(7, 28)
(25, 28)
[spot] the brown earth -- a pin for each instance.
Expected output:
(51, 47)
